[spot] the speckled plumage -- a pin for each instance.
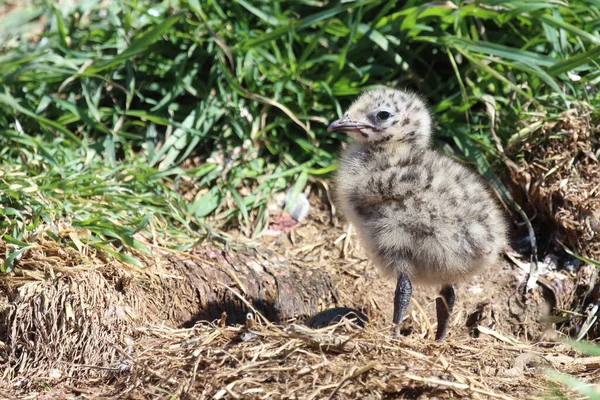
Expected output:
(417, 212)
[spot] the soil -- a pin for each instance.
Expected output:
(112, 332)
(495, 299)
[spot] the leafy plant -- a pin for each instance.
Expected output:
(212, 107)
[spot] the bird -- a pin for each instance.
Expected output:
(422, 217)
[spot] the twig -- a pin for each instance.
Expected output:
(323, 341)
(493, 333)
(458, 386)
(121, 368)
(589, 322)
(250, 306)
(490, 103)
(347, 241)
(423, 314)
(353, 375)
(151, 371)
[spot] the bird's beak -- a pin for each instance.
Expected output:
(347, 126)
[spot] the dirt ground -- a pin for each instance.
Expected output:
(497, 345)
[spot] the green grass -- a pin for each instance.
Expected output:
(590, 390)
(60, 183)
(99, 111)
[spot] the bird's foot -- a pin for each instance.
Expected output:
(444, 305)
(401, 300)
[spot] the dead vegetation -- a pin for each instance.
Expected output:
(71, 316)
(270, 361)
(105, 331)
(560, 176)
(557, 180)
(294, 362)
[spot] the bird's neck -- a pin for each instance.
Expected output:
(369, 155)
(396, 149)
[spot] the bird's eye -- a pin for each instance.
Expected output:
(383, 115)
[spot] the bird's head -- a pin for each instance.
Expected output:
(383, 116)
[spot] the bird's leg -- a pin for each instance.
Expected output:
(444, 305)
(401, 300)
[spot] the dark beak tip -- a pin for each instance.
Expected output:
(335, 125)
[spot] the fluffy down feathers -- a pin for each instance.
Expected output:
(416, 211)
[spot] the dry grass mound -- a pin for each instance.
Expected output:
(72, 316)
(560, 176)
(60, 314)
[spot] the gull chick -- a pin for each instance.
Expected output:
(422, 217)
